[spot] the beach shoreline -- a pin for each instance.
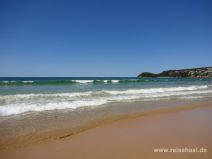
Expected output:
(38, 127)
(62, 135)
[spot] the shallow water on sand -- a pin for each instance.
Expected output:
(24, 95)
(34, 127)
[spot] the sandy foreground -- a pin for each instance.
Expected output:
(132, 138)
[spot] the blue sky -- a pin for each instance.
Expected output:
(103, 38)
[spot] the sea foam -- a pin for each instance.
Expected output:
(20, 103)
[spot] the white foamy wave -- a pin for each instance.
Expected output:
(120, 98)
(10, 109)
(8, 82)
(157, 90)
(83, 81)
(92, 81)
(191, 97)
(20, 98)
(21, 108)
(27, 81)
(74, 94)
(109, 81)
(176, 94)
(15, 104)
(115, 81)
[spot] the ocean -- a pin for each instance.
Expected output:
(25, 95)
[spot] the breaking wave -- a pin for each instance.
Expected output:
(90, 81)
(20, 103)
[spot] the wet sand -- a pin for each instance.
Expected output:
(131, 138)
(38, 127)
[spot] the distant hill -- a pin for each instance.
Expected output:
(202, 72)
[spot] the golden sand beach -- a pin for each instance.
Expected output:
(134, 137)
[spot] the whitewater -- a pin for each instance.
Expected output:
(33, 95)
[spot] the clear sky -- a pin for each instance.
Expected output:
(103, 37)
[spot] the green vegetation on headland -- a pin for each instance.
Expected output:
(203, 72)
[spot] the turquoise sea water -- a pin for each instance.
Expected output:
(19, 95)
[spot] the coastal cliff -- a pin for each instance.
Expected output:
(203, 72)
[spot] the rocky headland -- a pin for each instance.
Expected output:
(202, 72)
